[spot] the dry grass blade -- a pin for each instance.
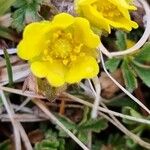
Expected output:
(55, 120)
(19, 72)
(23, 118)
(97, 97)
(10, 51)
(15, 126)
(134, 137)
(144, 121)
(123, 89)
(32, 95)
(21, 129)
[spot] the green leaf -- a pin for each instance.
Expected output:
(129, 77)
(6, 145)
(50, 142)
(143, 73)
(18, 19)
(121, 102)
(49, 134)
(61, 144)
(26, 12)
(121, 40)
(5, 5)
(82, 135)
(131, 112)
(85, 115)
(67, 123)
(9, 68)
(144, 54)
(95, 125)
(112, 64)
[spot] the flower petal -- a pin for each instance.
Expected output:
(53, 72)
(85, 33)
(56, 73)
(83, 67)
(31, 46)
(63, 20)
(39, 69)
(123, 23)
(95, 17)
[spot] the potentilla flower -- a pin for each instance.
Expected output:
(62, 50)
(105, 14)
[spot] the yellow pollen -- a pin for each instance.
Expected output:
(65, 61)
(69, 36)
(82, 54)
(73, 57)
(61, 48)
(77, 49)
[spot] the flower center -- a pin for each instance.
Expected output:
(63, 48)
(108, 10)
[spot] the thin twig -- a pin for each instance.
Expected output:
(97, 97)
(23, 118)
(23, 104)
(134, 137)
(21, 129)
(10, 51)
(20, 92)
(14, 124)
(80, 101)
(55, 120)
(126, 131)
(122, 88)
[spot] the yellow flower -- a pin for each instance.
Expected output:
(105, 14)
(62, 50)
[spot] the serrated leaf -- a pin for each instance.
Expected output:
(5, 5)
(25, 12)
(85, 115)
(50, 134)
(121, 40)
(67, 123)
(18, 19)
(50, 143)
(143, 73)
(121, 102)
(129, 77)
(131, 112)
(112, 64)
(95, 125)
(82, 135)
(144, 54)
(61, 144)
